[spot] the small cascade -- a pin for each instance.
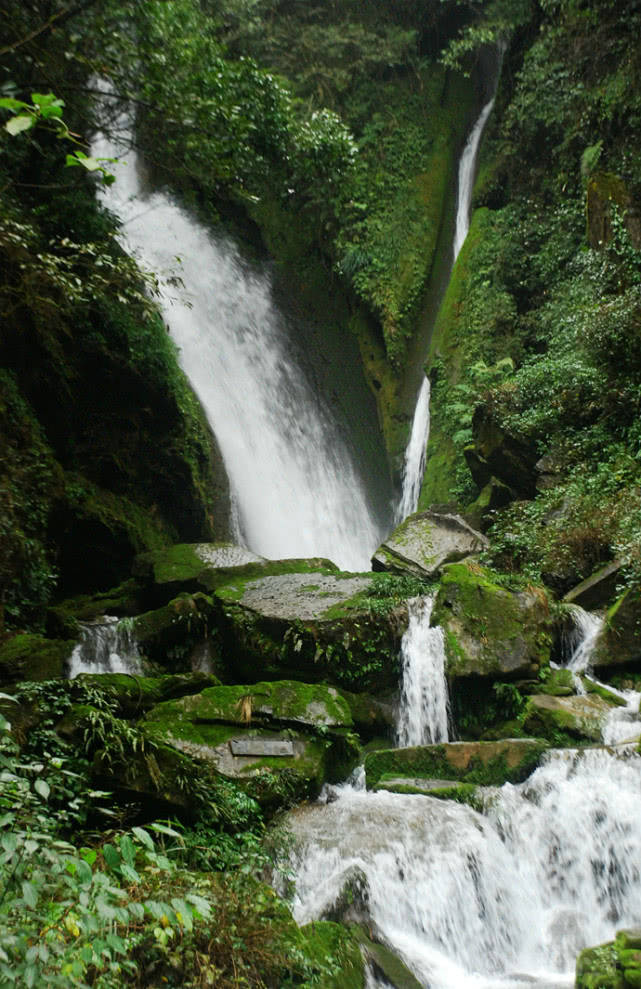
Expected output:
(107, 646)
(414, 465)
(587, 627)
(481, 901)
(623, 724)
(466, 175)
(423, 712)
(415, 452)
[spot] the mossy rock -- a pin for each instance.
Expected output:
(343, 628)
(385, 962)
(620, 640)
(336, 952)
(490, 631)
(462, 793)
(169, 635)
(240, 754)
(559, 683)
(426, 541)
(33, 657)
(564, 719)
(616, 965)
(485, 763)
(286, 702)
(135, 694)
(121, 601)
(191, 567)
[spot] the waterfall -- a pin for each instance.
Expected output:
(107, 646)
(481, 901)
(587, 628)
(466, 175)
(294, 486)
(423, 712)
(622, 723)
(415, 452)
(414, 464)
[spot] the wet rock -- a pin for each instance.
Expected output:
(596, 591)
(384, 963)
(343, 628)
(191, 567)
(33, 657)
(351, 905)
(491, 631)
(425, 542)
(580, 717)
(500, 455)
(485, 763)
(620, 640)
(134, 695)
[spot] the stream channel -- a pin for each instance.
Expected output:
(503, 897)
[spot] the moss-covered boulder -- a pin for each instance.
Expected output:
(384, 962)
(486, 763)
(285, 702)
(192, 567)
(299, 731)
(133, 695)
(564, 719)
(620, 641)
(33, 657)
(169, 636)
(491, 631)
(424, 542)
(344, 628)
(597, 590)
(616, 965)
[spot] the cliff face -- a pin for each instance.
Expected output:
(534, 358)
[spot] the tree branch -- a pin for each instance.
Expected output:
(55, 19)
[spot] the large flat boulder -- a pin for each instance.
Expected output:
(598, 590)
(486, 763)
(191, 567)
(342, 628)
(425, 542)
(489, 630)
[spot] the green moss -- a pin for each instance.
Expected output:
(491, 763)
(134, 694)
(395, 972)
(596, 968)
(337, 954)
(32, 657)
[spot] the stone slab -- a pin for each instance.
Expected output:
(262, 748)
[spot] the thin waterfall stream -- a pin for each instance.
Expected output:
(415, 453)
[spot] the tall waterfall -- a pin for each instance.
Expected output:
(423, 711)
(295, 489)
(107, 646)
(480, 901)
(414, 464)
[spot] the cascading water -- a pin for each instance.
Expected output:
(414, 464)
(623, 723)
(423, 710)
(108, 646)
(477, 901)
(295, 489)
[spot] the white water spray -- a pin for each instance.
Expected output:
(502, 899)
(294, 488)
(423, 711)
(414, 465)
(587, 628)
(107, 646)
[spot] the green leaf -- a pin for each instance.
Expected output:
(163, 829)
(202, 906)
(22, 122)
(129, 873)
(43, 788)
(89, 855)
(8, 103)
(144, 838)
(9, 842)
(127, 849)
(29, 894)
(112, 856)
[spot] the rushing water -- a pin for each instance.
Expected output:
(414, 464)
(295, 489)
(107, 646)
(423, 711)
